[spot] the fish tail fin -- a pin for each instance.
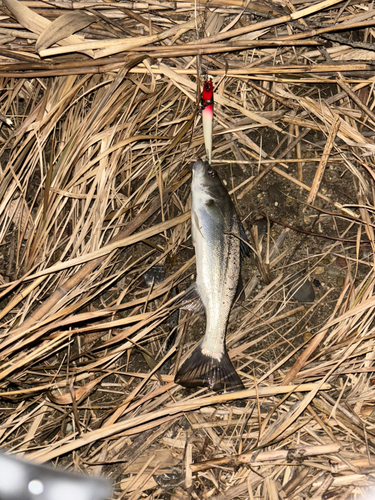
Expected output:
(202, 370)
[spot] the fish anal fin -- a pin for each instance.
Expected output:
(202, 370)
(191, 300)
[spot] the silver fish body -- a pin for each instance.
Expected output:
(215, 231)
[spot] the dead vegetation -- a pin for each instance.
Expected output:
(99, 123)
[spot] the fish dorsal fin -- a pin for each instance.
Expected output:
(245, 248)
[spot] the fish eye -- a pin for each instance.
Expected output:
(211, 173)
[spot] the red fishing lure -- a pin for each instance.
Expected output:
(207, 116)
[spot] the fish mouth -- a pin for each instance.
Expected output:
(199, 167)
(199, 170)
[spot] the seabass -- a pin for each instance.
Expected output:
(215, 230)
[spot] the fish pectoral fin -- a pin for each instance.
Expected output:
(196, 223)
(191, 300)
(202, 370)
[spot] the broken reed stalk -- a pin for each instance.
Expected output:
(324, 160)
(244, 73)
(267, 456)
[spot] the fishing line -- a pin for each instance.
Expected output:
(205, 98)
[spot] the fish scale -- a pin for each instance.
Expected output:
(215, 231)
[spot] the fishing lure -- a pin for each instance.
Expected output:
(207, 116)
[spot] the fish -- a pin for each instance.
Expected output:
(207, 116)
(218, 238)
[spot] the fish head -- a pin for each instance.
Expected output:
(206, 182)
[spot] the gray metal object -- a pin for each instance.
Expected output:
(22, 480)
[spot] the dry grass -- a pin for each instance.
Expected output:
(98, 125)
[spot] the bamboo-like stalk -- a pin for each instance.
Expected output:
(267, 456)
